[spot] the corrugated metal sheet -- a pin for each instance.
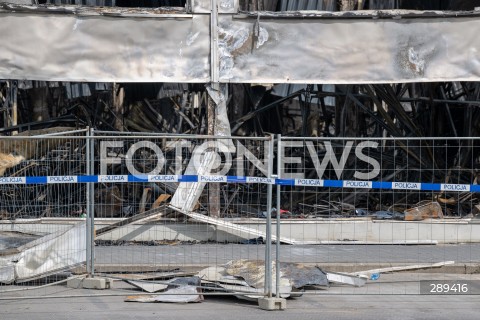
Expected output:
(383, 4)
(296, 5)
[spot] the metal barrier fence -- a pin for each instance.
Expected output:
(42, 232)
(157, 211)
(379, 206)
(192, 190)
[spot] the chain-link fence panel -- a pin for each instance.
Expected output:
(42, 210)
(380, 216)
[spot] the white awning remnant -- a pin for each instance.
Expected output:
(188, 193)
(232, 228)
(44, 256)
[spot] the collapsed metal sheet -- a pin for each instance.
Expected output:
(315, 50)
(245, 276)
(231, 228)
(155, 286)
(301, 275)
(218, 274)
(188, 193)
(51, 254)
(11, 240)
(45, 256)
(180, 290)
(295, 275)
(68, 47)
(147, 286)
(182, 294)
(7, 271)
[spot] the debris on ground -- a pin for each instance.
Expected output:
(424, 210)
(179, 290)
(368, 274)
(244, 279)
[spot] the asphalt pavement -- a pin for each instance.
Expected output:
(393, 296)
(338, 304)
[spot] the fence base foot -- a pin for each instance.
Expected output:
(272, 303)
(89, 283)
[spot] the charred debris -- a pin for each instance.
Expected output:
(330, 111)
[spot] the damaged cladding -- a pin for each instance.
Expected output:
(395, 46)
(353, 50)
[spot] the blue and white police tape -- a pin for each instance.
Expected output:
(351, 184)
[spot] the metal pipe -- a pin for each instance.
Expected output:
(90, 204)
(268, 240)
(277, 243)
(60, 133)
(89, 245)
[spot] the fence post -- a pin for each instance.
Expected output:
(277, 233)
(90, 223)
(268, 240)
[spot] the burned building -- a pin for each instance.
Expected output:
(332, 70)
